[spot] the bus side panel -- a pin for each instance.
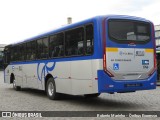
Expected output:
(16, 71)
(61, 74)
(81, 75)
(81, 87)
(96, 65)
(30, 76)
(18, 74)
(76, 77)
(7, 74)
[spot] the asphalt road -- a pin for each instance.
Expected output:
(36, 100)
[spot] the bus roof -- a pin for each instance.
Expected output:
(63, 28)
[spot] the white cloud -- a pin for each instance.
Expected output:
(20, 19)
(151, 12)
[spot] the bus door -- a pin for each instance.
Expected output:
(129, 52)
(17, 70)
(6, 62)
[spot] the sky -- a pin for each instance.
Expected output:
(22, 19)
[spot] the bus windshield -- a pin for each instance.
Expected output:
(127, 30)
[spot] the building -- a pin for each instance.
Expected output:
(1, 54)
(157, 38)
(1, 49)
(157, 34)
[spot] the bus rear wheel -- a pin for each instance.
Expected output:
(17, 88)
(51, 89)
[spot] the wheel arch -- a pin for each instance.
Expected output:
(12, 77)
(46, 79)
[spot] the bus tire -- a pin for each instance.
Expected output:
(17, 88)
(92, 95)
(51, 89)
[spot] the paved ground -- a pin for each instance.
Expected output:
(34, 100)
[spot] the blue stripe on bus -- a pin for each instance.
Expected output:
(45, 69)
(56, 60)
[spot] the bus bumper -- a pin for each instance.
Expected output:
(107, 84)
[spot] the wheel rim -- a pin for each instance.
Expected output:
(14, 84)
(50, 89)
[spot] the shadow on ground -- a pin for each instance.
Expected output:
(101, 102)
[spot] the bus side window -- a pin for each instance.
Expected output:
(89, 39)
(33, 50)
(39, 48)
(23, 49)
(12, 53)
(52, 48)
(7, 56)
(44, 53)
(60, 39)
(28, 49)
(20, 52)
(74, 42)
(15, 53)
(56, 45)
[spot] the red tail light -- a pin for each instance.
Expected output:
(105, 66)
(104, 61)
(154, 45)
(104, 48)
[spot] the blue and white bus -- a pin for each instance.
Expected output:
(104, 54)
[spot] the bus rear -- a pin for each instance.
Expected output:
(129, 59)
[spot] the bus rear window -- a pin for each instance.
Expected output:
(126, 31)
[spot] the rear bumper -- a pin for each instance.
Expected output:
(107, 84)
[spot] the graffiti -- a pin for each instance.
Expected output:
(44, 68)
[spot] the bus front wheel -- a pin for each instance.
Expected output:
(17, 88)
(51, 89)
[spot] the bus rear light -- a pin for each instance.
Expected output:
(155, 62)
(104, 61)
(110, 74)
(152, 83)
(154, 45)
(104, 49)
(150, 73)
(105, 66)
(109, 86)
(96, 78)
